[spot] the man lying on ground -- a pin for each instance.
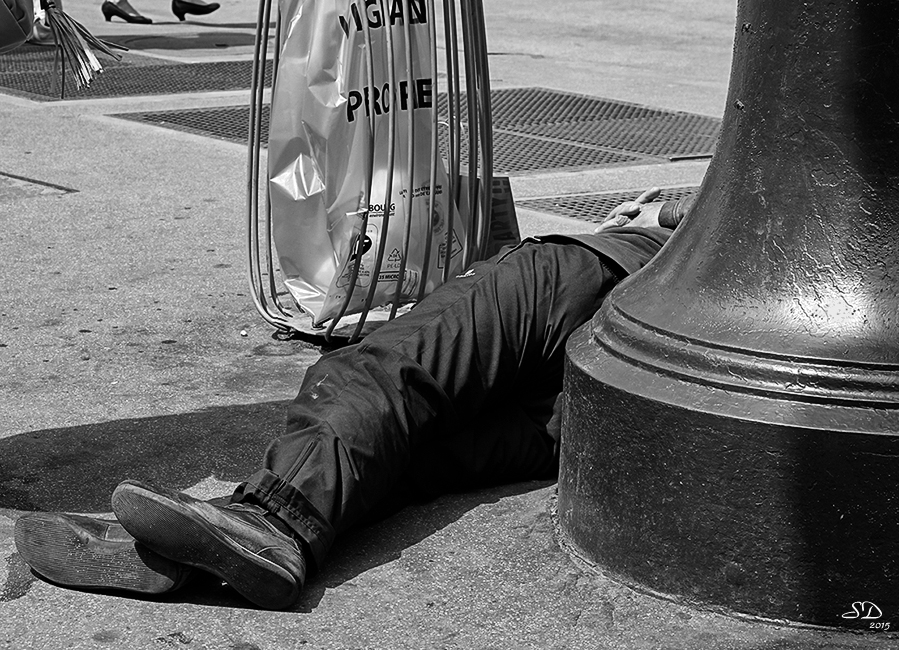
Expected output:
(459, 392)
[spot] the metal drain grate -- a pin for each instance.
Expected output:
(674, 137)
(595, 207)
(512, 153)
(593, 121)
(515, 108)
(40, 59)
(29, 71)
(534, 130)
(225, 123)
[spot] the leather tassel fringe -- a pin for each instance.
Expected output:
(75, 48)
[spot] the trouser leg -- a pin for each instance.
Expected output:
(456, 392)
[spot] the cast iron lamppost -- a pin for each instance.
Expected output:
(732, 427)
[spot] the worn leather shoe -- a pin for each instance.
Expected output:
(236, 542)
(89, 553)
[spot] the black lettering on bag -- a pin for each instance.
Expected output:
(354, 101)
(396, 12)
(357, 20)
(382, 100)
(418, 14)
(373, 12)
(423, 93)
(404, 95)
(418, 11)
(375, 96)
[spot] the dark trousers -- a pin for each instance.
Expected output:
(459, 392)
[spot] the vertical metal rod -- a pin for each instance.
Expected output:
(454, 97)
(453, 105)
(253, 175)
(391, 151)
(410, 154)
(367, 184)
(485, 122)
(473, 141)
(434, 161)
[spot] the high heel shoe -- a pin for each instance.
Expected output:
(123, 10)
(182, 7)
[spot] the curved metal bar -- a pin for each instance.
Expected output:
(276, 317)
(269, 249)
(480, 163)
(253, 175)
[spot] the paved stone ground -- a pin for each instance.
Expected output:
(121, 314)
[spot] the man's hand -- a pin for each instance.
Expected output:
(640, 212)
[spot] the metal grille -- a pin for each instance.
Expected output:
(29, 71)
(226, 123)
(593, 121)
(675, 136)
(515, 108)
(534, 130)
(30, 58)
(514, 153)
(594, 207)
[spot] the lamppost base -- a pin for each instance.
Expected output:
(728, 498)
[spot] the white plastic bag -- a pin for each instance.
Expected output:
(321, 161)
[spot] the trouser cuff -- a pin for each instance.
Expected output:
(290, 506)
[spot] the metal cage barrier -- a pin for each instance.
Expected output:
(466, 120)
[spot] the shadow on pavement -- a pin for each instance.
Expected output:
(384, 541)
(192, 41)
(358, 551)
(200, 23)
(75, 469)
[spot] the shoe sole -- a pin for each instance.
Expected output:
(66, 553)
(179, 532)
